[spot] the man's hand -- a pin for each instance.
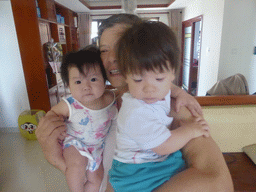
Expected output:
(50, 133)
(187, 100)
(182, 98)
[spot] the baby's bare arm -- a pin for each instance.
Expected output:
(61, 109)
(182, 135)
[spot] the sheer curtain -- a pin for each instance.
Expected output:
(84, 27)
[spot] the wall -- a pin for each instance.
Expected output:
(232, 127)
(163, 17)
(238, 41)
(212, 12)
(228, 40)
(13, 94)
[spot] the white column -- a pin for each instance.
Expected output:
(129, 6)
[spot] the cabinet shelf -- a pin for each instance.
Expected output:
(49, 21)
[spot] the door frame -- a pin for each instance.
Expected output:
(187, 23)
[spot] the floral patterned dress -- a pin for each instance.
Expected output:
(87, 130)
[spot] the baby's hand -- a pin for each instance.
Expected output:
(62, 136)
(197, 127)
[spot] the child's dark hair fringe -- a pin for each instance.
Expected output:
(88, 57)
(148, 46)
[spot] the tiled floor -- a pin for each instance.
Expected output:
(24, 169)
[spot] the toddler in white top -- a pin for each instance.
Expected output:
(147, 152)
(89, 113)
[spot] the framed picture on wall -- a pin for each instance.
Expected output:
(61, 32)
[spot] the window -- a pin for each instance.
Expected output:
(151, 18)
(94, 31)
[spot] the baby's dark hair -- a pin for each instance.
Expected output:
(122, 18)
(88, 57)
(147, 46)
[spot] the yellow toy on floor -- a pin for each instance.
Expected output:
(28, 121)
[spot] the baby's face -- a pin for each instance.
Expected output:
(151, 86)
(87, 87)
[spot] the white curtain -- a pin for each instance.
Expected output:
(84, 27)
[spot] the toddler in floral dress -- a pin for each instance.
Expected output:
(89, 112)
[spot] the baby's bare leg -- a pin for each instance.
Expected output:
(94, 179)
(76, 169)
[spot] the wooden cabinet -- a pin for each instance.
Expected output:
(33, 32)
(57, 92)
(53, 95)
(62, 30)
(47, 9)
(66, 32)
(62, 91)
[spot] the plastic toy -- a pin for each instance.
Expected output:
(28, 121)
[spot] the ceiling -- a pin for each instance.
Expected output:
(94, 6)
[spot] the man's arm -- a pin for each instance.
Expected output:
(50, 133)
(185, 99)
(207, 169)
